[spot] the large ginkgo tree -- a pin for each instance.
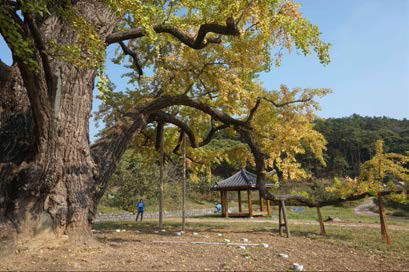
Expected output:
(194, 65)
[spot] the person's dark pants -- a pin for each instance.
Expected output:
(139, 213)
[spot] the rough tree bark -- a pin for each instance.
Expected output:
(47, 173)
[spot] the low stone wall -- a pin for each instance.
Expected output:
(131, 216)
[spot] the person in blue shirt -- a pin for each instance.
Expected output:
(139, 205)
(218, 207)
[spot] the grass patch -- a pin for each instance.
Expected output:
(168, 205)
(398, 212)
(345, 214)
(332, 211)
(362, 238)
(110, 210)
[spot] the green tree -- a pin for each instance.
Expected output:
(137, 177)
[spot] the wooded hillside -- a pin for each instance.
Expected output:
(351, 142)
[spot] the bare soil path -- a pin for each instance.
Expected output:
(365, 208)
(136, 249)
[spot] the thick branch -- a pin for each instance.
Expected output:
(108, 150)
(39, 44)
(169, 100)
(211, 133)
(253, 111)
(196, 43)
(36, 86)
(133, 55)
(165, 117)
(161, 116)
(175, 150)
(125, 35)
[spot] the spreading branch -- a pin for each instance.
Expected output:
(173, 100)
(196, 43)
(108, 150)
(181, 134)
(278, 105)
(175, 150)
(212, 131)
(153, 110)
(253, 111)
(185, 129)
(163, 117)
(133, 55)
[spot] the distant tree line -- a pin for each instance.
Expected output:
(351, 142)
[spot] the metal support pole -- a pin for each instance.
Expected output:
(184, 184)
(161, 180)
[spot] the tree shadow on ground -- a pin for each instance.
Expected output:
(114, 241)
(210, 227)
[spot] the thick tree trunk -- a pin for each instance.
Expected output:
(49, 184)
(48, 178)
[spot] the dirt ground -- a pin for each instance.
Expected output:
(140, 249)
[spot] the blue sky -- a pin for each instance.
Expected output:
(369, 69)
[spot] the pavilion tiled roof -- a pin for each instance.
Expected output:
(243, 180)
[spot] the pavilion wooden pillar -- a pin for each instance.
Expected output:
(239, 199)
(268, 207)
(249, 203)
(222, 201)
(226, 201)
(261, 202)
